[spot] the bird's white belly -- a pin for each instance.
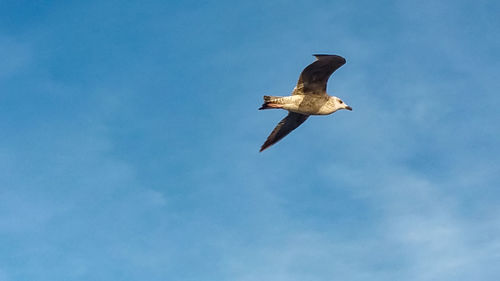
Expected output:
(293, 103)
(306, 105)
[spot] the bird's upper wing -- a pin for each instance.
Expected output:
(314, 77)
(284, 127)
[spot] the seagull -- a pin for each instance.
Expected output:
(309, 97)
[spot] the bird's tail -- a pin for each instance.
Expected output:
(271, 102)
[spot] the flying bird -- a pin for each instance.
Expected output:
(309, 97)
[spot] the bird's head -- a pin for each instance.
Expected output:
(339, 104)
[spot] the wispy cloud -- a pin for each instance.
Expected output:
(130, 143)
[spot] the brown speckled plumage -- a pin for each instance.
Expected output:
(309, 97)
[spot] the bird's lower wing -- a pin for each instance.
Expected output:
(285, 126)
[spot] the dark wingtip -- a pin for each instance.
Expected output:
(318, 56)
(264, 146)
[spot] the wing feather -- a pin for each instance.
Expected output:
(284, 127)
(314, 77)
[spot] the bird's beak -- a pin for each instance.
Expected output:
(348, 108)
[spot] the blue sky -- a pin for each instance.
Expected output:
(130, 138)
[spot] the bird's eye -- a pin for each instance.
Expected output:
(341, 101)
